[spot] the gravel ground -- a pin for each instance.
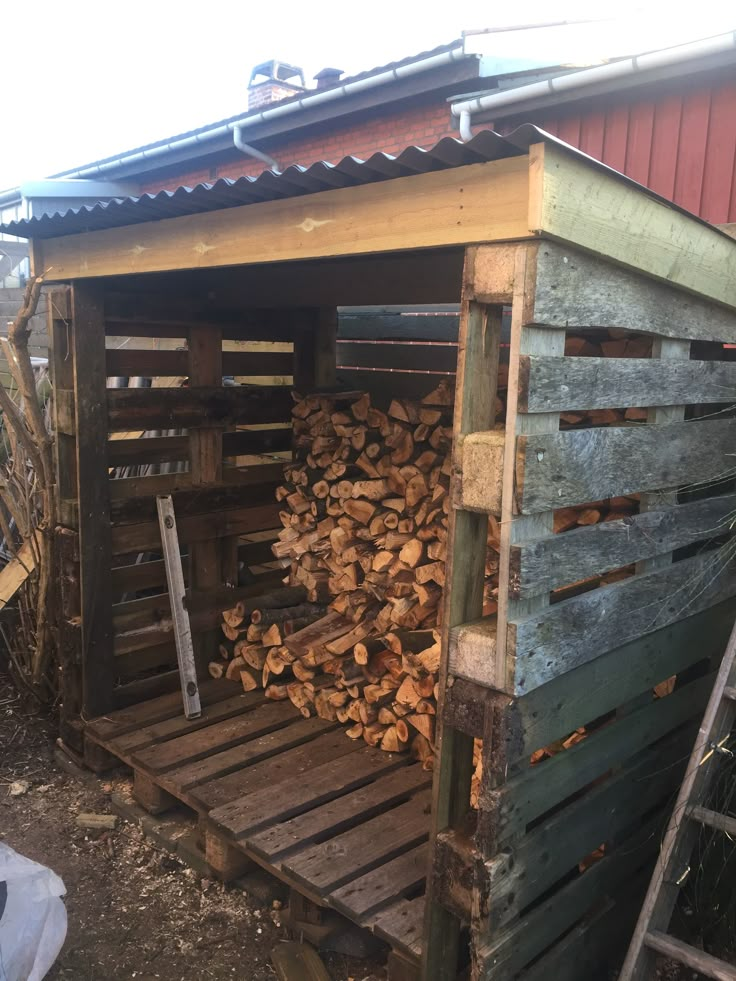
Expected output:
(135, 911)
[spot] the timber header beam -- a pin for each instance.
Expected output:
(550, 193)
(478, 203)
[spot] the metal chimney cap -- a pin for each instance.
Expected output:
(277, 71)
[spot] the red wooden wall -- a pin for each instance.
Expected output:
(682, 146)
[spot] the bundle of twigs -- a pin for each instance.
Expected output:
(28, 507)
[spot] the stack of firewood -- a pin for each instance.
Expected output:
(365, 515)
(366, 505)
(383, 689)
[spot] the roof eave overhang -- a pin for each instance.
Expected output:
(443, 80)
(520, 109)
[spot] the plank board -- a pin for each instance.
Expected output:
(538, 789)
(344, 857)
(412, 356)
(574, 699)
(125, 720)
(504, 957)
(545, 564)
(171, 449)
(583, 627)
(567, 383)
(128, 362)
(145, 535)
(15, 573)
(221, 763)
(95, 555)
(128, 743)
(196, 746)
(575, 289)
(594, 209)
(402, 924)
(371, 891)
(558, 470)
(553, 848)
(338, 815)
(176, 408)
(330, 776)
(254, 486)
(598, 938)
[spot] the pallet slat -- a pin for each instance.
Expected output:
(345, 857)
(146, 713)
(182, 779)
(557, 470)
(540, 788)
(171, 449)
(145, 535)
(337, 815)
(192, 747)
(583, 627)
(565, 384)
(128, 362)
(403, 924)
(128, 743)
(554, 847)
(175, 408)
(325, 781)
(369, 892)
(413, 356)
(573, 289)
(571, 700)
(545, 564)
(134, 498)
(516, 947)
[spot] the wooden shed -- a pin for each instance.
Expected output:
(580, 755)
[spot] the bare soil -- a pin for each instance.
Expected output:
(135, 910)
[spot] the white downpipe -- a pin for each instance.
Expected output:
(464, 111)
(251, 151)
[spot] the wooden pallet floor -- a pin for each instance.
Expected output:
(343, 824)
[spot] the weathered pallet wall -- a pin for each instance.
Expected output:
(565, 836)
(156, 420)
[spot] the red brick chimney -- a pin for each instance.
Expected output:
(273, 81)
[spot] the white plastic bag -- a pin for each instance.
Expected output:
(33, 920)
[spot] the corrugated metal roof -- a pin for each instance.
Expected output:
(295, 181)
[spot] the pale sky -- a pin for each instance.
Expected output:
(84, 80)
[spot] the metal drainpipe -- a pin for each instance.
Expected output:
(466, 126)
(251, 151)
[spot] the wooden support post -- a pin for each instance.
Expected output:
(205, 460)
(475, 397)
(315, 350)
(97, 758)
(150, 796)
(61, 363)
(95, 539)
(226, 861)
(517, 528)
(400, 968)
(66, 550)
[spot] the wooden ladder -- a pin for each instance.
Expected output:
(689, 814)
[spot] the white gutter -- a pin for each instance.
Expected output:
(275, 112)
(628, 67)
